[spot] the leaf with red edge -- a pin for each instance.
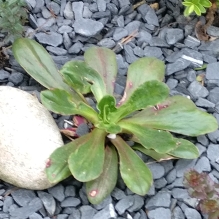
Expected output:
(100, 188)
(78, 120)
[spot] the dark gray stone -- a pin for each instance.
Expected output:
(57, 192)
(204, 103)
(203, 140)
(101, 14)
(151, 17)
(214, 95)
(62, 216)
(192, 213)
(51, 38)
(203, 165)
(178, 65)
(75, 48)
(156, 214)
(180, 194)
(118, 194)
(174, 35)
(107, 42)
(191, 42)
(4, 75)
(197, 90)
(54, 7)
(70, 202)
(160, 183)
(24, 212)
(16, 78)
(171, 176)
(209, 59)
(87, 212)
(112, 8)
(151, 51)
(120, 21)
(107, 212)
(157, 170)
(65, 29)
(48, 202)
(174, 56)
(123, 204)
(75, 214)
(143, 37)
(8, 201)
(138, 203)
(138, 51)
(213, 31)
(87, 27)
(106, 202)
(23, 196)
(133, 27)
(129, 54)
(56, 50)
(171, 83)
(183, 165)
(82, 129)
(212, 71)
(191, 76)
(119, 33)
(156, 41)
(70, 191)
(66, 41)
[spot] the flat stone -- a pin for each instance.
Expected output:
(87, 27)
(214, 95)
(151, 17)
(213, 31)
(65, 29)
(203, 165)
(183, 165)
(192, 213)
(70, 202)
(180, 194)
(75, 48)
(70, 191)
(156, 41)
(174, 35)
(48, 202)
(156, 214)
(178, 65)
(138, 203)
(191, 42)
(51, 38)
(129, 54)
(151, 51)
(119, 33)
(144, 37)
(177, 213)
(87, 212)
(203, 140)
(160, 183)
(118, 193)
(107, 42)
(172, 83)
(171, 176)
(161, 199)
(68, 12)
(54, 7)
(204, 103)
(16, 78)
(213, 152)
(212, 71)
(4, 75)
(23, 196)
(8, 202)
(26, 166)
(35, 216)
(197, 90)
(56, 50)
(123, 204)
(26, 211)
(132, 27)
(57, 192)
(157, 170)
(107, 212)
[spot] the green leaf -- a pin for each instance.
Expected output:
(100, 188)
(149, 93)
(202, 9)
(82, 78)
(86, 163)
(136, 175)
(197, 10)
(140, 71)
(103, 60)
(38, 64)
(61, 102)
(185, 149)
(186, 3)
(158, 140)
(152, 153)
(176, 114)
(57, 165)
(205, 3)
(106, 105)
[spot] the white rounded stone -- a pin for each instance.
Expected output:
(28, 135)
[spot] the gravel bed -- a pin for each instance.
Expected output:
(166, 34)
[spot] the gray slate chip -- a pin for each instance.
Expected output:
(158, 213)
(138, 203)
(156, 41)
(213, 152)
(35, 216)
(202, 165)
(180, 194)
(213, 31)
(174, 35)
(161, 199)
(177, 213)
(57, 192)
(119, 33)
(178, 65)
(157, 170)
(151, 17)
(101, 5)
(150, 51)
(197, 90)
(123, 204)
(214, 95)
(56, 50)
(48, 202)
(191, 213)
(51, 38)
(118, 193)
(132, 27)
(204, 103)
(191, 42)
(107, 212)
(129, 54)
(212, 71)
(24, 212)
(75, 48)
(70, 202)
(87, 212)
(4, 75)
(23, 196)
(107, 42)
(16, 78)
(8, 201)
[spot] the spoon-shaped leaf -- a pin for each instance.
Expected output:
(39, 65)
(83, 78)
(62, 102)
(149, 93)
(158, 140)
(86, 163)
(176, 114)
(152, 153)
(103, 60)
(136, 175)
(101, 187)
(140, 71)
(57, 166)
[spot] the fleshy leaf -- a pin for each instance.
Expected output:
(106, 105)
(158, 140)
(57, 166)
(176, 114)
(152, 153)
(39, 65)
(103, 60)
(140, 71)
(62, 102)
(82, 78)
(136, 175)
(185, 149)
(86, 163)
(147, 94)
(100, 188)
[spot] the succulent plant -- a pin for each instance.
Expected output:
(202, 187)
(145, 113)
